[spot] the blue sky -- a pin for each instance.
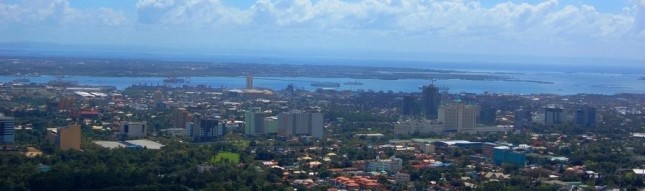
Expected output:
(397, 29)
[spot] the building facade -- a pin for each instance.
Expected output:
(297, 123)
(458, 117)
(69, 137)
(7, 133)
(430, 101)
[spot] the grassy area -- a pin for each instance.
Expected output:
(223, 157)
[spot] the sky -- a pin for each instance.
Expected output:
(398, 29)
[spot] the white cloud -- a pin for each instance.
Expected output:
(57, 12)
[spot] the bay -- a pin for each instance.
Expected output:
(553, 83)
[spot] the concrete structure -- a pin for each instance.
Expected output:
(207, 129)
(458, 117)
(390, 165)
(254, 122)
(69, 137)
(133, 129)
(7, 134)
(296, 123)
(430, 101)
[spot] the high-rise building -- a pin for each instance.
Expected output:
(430, 101)
(297, 123)
(410, 105)
(585, 117)
(458, 117)
(254, 122)
(523, 118)
(208, 129)
(6, 129)
(487, 115)
(271, 125)
(249, 81)
(69, 137)
(181, 117)
(554, 115)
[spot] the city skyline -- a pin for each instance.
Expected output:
(332, 28)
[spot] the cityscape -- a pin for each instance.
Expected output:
(329, 95)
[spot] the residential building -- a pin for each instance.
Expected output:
(271, 125)
(390, 165)
(254, 122)
(296, 123)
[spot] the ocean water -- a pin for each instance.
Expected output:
(559, 83)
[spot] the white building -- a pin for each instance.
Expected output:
(134, 129)
(390, 165)
(297, 123)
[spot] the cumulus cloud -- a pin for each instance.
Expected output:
(57, 12)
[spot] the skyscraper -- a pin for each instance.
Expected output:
(430, 101)
(181, 117)
(410, 106)
(208, 129)
(6, 129)
(585, 117)
(487, 115)
(249, 81)
(458, 117)
(554, 115)
(254, 122)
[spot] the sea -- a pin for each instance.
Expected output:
(561, 76)
(558, 83)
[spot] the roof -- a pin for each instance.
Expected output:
(146, 143)
(110, 144)
(639, 171)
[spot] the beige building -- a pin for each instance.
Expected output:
(458, 117)
(69, 137)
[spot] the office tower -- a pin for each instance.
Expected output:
(296, 123)
(523, 118)
(181, 117)
(6, 129)
(458, 117)
(410, 106)
(554, 115)
(430, 101)
(249, 81)
(254, 122)
(585, 117)
(487, 115)
(69, 137)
